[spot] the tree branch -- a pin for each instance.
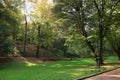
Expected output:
(113, 7)
(96, 5)
(110, 15)
(103, 4)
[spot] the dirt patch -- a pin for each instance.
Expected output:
(5, 59)
(115, 63)
(33, 59)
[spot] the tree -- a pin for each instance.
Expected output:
(80, 12)
(114, 41)
(105, 9)
(113, 35)
(42, 20)
(26, 25)
(77, 13)
(9, 17)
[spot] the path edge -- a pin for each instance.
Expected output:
(81, 78)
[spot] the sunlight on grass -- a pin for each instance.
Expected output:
(59, 70)
(29, 64)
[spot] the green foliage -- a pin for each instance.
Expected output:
(114, 39)
(47, 35)
(6, 46)
(54, 53)
(74, 42)
(77, 22)
(91, 22)
(9, 22)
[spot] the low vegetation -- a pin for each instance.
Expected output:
(57, 70)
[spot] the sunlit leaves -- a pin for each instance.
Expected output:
(42, 16)
(42, 11)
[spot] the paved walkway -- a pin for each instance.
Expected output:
(112, 75)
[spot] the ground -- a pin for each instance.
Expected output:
(34, 69)
(112, 75)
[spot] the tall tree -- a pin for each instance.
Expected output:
(77, 12)
(9, 22)
(114, 41)
(25, 30)
(42, 20)
(105, 9)
(113, 36)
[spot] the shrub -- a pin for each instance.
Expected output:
(6, 46)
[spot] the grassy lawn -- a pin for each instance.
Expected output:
(59, 70)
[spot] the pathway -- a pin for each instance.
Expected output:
(112, 75)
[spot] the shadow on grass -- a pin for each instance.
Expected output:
(24, 62)
(58, 70)
(112, 63)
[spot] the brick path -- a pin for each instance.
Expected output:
(112, 75)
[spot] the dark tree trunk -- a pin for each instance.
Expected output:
(37, 52)
(14, 34)
(101, 51)
(101, 39)
(38, 44)
(103, 30)
(116, 47)
(24, 50)
(118, 53)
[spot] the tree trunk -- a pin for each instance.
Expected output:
(97, 58)
(118, 53)
(37, 52)
(101, 52)
(116, 46)
(38, 44)
(83, 31)
(14, 34)
(24, 50)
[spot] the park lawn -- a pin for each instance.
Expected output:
(58, 70)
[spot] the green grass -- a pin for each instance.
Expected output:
(59, 70)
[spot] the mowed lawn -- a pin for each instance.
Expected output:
(58, 70)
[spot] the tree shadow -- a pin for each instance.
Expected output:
(112, 63)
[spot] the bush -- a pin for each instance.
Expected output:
(6, 46)
(53, 53)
